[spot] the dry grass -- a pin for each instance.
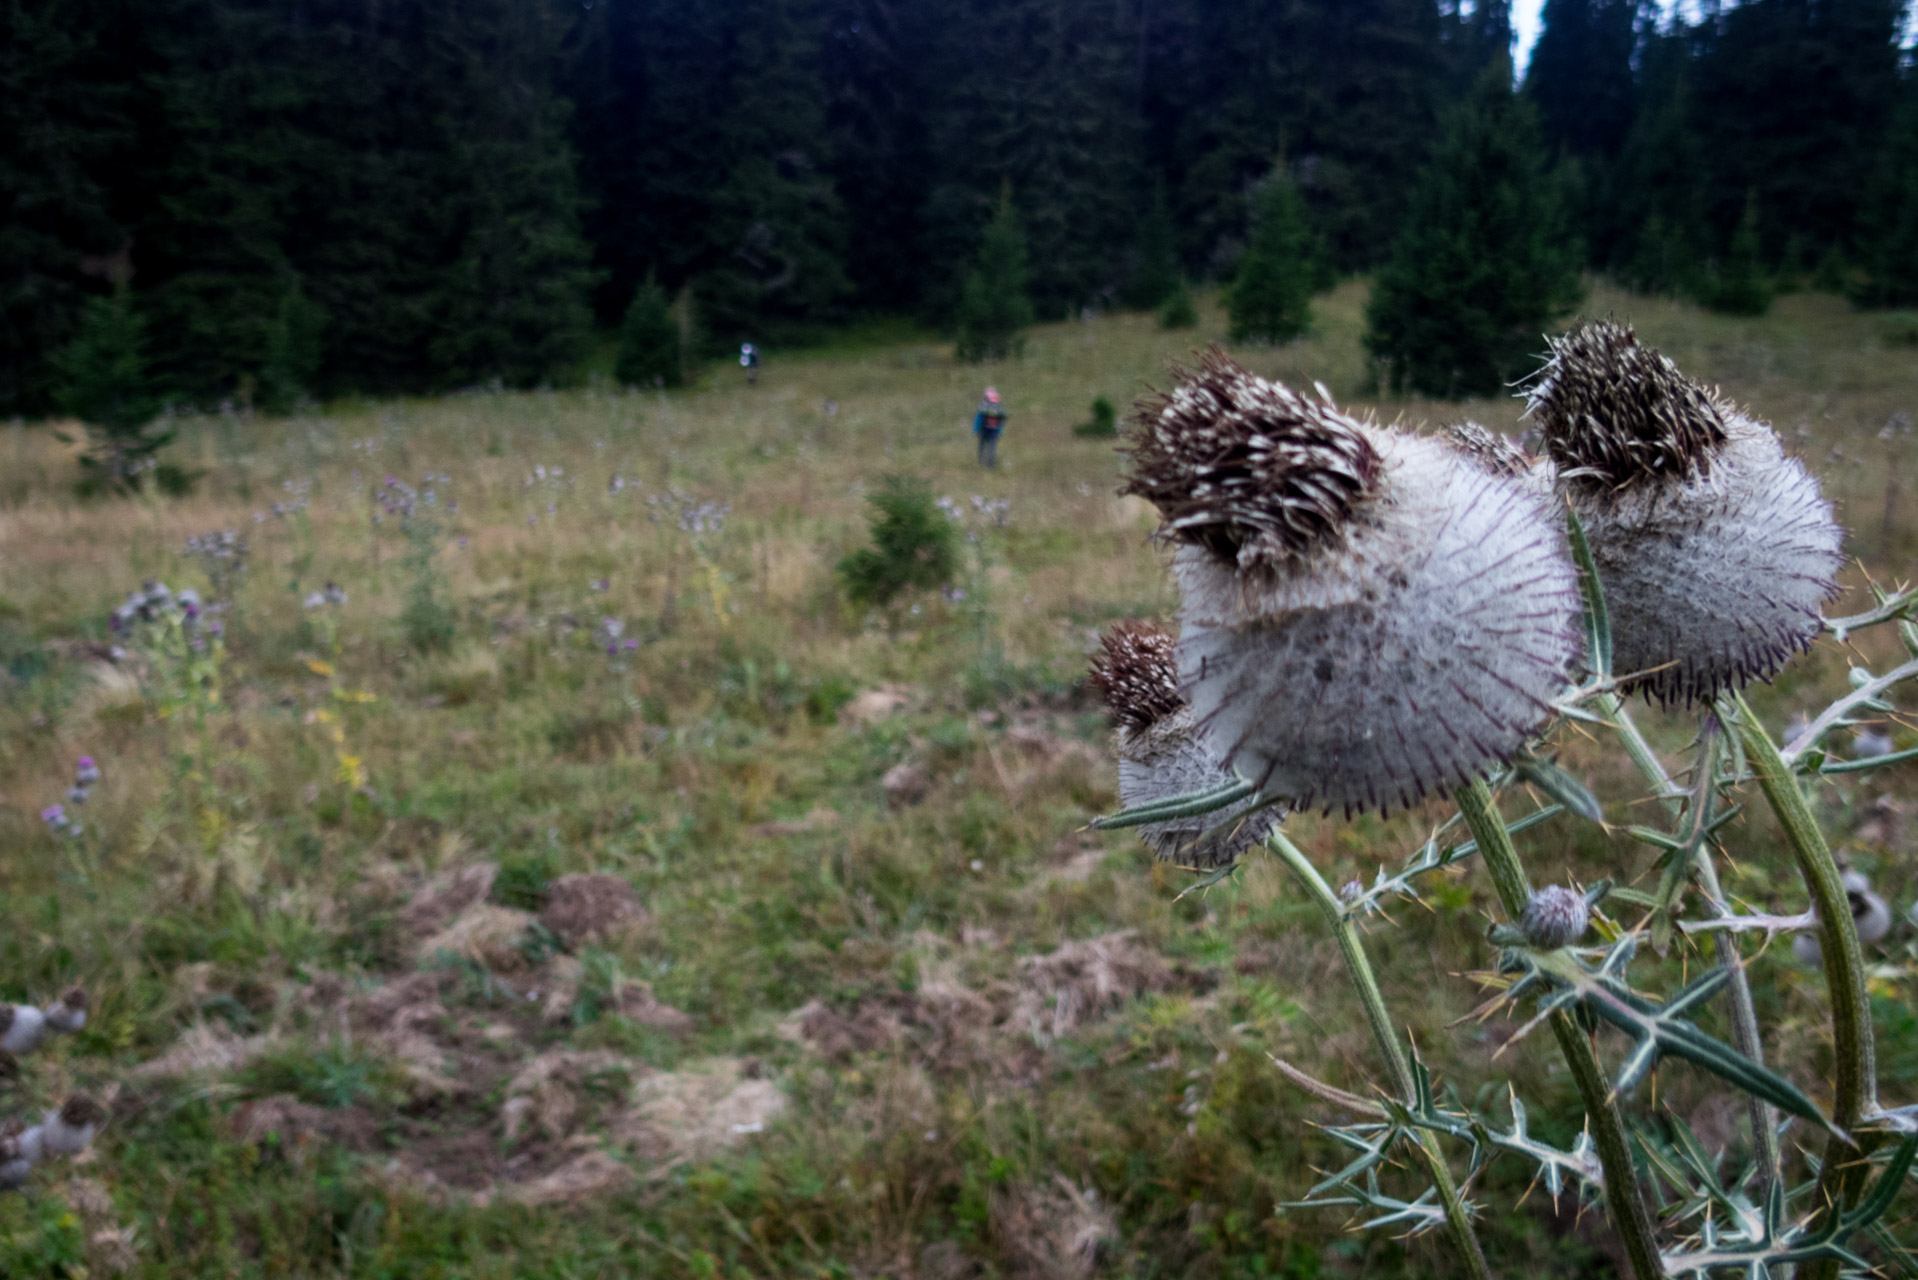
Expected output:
(859, 1029)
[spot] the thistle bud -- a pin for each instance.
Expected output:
(1160, 756)
(1716, 551)
(1870, 916)
(69, 1012)
(1366, 616)
(67, 1132)
(1554, 917)
(15, 1166)
(22, 1028)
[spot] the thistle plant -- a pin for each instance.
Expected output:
(1370, 617)
(64, 1131)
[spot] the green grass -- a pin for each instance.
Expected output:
(878, 969)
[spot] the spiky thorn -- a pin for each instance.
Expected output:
(1496, 453)
(1613, 412)
(1249, 469)
(1135, 674)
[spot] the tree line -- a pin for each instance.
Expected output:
(314, 197)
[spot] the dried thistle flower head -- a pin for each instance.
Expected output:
(1555, 917)
(1159, 754)
(1716, 551)
(1614, 412)
(1413, 640)
(1134, 674)
(1249, 469)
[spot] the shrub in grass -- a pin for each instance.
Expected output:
(913, 545)
(1103, 424)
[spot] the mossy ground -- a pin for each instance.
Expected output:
(948, 1033)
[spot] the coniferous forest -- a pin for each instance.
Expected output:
(331, 196)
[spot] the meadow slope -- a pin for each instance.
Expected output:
(594, 892)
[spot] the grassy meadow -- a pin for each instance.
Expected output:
(594, 892)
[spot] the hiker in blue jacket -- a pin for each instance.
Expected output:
(987, 424)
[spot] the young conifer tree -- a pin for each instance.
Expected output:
(1483, 262)
(994, 308)
(649, 347)
(1271, 299)
(105, 384)
(1740, 286)
(1155, 275)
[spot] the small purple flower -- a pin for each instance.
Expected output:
(77, 795)
(630, 643)
(54, 815)
(87, 771)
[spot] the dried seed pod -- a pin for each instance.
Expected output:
(1554, 917)
(1366, 616)
(1716, 550)
(1159, 754)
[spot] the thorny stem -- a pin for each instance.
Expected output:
(1842, 1173)
(1745, 1032)
(1356, 963)
(1622, 1191)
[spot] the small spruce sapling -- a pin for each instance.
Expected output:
(649, 341)
(105, 384)
(913, 545)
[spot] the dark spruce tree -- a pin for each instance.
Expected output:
(62, 121)
(1483, 263)
(1156, 273)
(291, 370)
(649, 349)
(1655, 210)
(994, 308)
(1738, 284)
(105, 383)
(513, 303)
(1271, 296)
(1885, 251)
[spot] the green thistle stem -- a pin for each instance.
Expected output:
(1622, 1194)
(1843, 1172)
(1373, 999)
(1745, 1032)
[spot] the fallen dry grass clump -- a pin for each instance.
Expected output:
(517, 856)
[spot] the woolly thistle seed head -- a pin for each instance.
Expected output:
(1159, 754)
(1716, 551)
(1413, 641)
(1554, 917)
(1248, 469)
(67, 1132)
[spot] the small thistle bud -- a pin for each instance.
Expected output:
(1135, 676)
(1716, 550)
(22, 1028)
(1554, 917)
(1366, 616)
(1160, 756)
(67, 1132)
(69, 1012)
(15, 1166)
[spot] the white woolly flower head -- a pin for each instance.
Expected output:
(1367, 616)
(22, 1028)
(1161, 757)
(1716, 550)
(68, 1131)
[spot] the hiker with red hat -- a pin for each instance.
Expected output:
(987, 424)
